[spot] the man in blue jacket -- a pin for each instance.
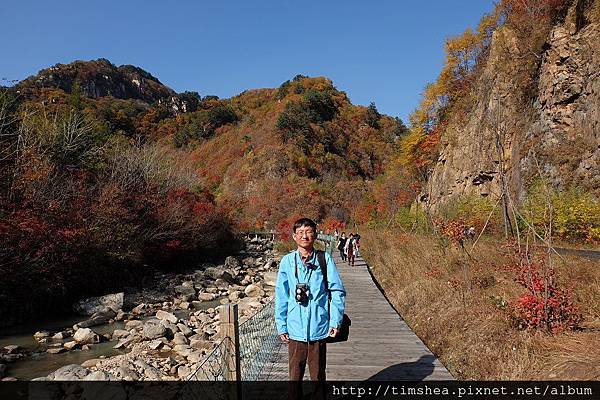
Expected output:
(303, 313)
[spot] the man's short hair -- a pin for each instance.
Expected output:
(304, 222)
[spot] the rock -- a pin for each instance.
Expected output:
(184, 305)
(56, 350)
(100, 376)
(167, 316)
(90, 363)
(180, 338)
(197, 304)
(270, 278)
(120, 333)
(201, 344)
(182, 349)
(122, 343)
(221, 284)
(139, 309)
(154, 330)
(185, 290)
(86, 335)
(71, 372)
(133, 324)
(127, 374)
(212, 290)
(232, 262)
(184, 329)
(183, 371)
(206, 296)
(235, 295)
(150, 372)
(13, 379)
(41, 335)
(86, 347)
(98, 304)
(121, 315)
(70, 345)
(98, 318)
(12, 349)
(195, 357)
(155, 344)
(253, 290)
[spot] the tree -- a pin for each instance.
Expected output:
(373, 116)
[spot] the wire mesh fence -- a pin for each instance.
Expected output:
(258, 342)
(214, 367)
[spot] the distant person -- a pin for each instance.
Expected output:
(341, 245)
(357, 242)
(308, 309)
(336, 234)
(350, 249)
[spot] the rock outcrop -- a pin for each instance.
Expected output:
(556, 131)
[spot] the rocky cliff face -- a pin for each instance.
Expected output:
(554, 131)
(100, 78)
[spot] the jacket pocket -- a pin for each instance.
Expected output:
(322, 320)
(294, 321)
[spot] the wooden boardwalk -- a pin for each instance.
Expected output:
(381, 345)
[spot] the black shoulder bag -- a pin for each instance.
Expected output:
(344, 332)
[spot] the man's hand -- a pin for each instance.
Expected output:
(285, 338)
(333, 332)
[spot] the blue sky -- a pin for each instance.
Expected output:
(383, 51)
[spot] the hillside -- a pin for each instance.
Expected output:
(108, 173)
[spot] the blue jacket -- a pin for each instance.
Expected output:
(311, 321)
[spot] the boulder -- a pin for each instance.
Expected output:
(101, 376)
(154, 330)
(185, 290)
(201, 344)
(71, 372)
(41, 335)
(56, 350)
(98, 318)
(70, 345)
(97, 304)
(86, 335)
(206, 296)
(253, 290)
(163, 315)
(232, 263)
(90, 363)
(270, 278)
(179, 338)
(184, 329)
(127, 374)
(183, 371)
(133, 324)
(12, 349)
(120, 333)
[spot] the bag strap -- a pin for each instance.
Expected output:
(323, 265)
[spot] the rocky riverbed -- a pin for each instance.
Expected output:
(163, 332)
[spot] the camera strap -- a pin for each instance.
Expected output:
(323, 265)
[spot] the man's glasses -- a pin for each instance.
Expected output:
(307, 233)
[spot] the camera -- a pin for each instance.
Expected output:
(302, 293)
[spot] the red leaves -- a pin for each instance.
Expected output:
(545, 307)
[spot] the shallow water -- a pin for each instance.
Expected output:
(42, 363)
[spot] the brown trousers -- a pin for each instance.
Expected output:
(313, 353)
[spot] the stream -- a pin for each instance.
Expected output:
(40, 363)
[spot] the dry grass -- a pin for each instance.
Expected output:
(460, 308)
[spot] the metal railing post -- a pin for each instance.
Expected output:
(229, 330)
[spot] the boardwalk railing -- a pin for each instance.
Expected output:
(244, 349)
(328, 241)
